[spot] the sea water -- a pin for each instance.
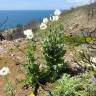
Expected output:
(22, 17)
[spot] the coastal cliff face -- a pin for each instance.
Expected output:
(16, 33)
(12, 34)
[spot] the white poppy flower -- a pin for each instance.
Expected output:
(28, 33)
(57, 12)
(43, 26)
(93, 59)
(29, 36)
(54, 18)
(45, 20)
(93, 66)
(4, 71)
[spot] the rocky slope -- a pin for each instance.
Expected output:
(81, 19)
(12, 54)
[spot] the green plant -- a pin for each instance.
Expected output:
(81, 85)
(32, 69)
(54, 49)
(54, 54)
(77, 40)
(34, 77)
(10, 89)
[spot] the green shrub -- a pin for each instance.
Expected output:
(35, 76)
(76, 40)
(54, 54)
(32, 75)
(81, 85)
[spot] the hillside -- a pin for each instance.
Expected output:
(74, 22)
(80, 19)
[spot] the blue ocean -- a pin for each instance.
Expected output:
(22, 17)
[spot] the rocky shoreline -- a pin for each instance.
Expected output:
(17, 32)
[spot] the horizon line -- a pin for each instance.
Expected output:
(28, 9)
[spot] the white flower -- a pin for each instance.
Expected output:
(93, 59)
(43, 26)
(28, 33)
(4, 71)
(45, 20)
(93, 66)
(29, 36)
(57, 12)
(54, 18)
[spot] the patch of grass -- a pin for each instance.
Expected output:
(77, 40)
(10, 89)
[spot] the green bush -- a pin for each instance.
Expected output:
(81, 85)
(53, 47)
(32, 69)
(54, 55)
(35, 77)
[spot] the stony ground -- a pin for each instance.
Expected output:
(12, 55)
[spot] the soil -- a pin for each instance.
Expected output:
(13, 57)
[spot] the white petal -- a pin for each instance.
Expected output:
(28, 33)
(43, 26)
(29, 36)
(57, 12)
(54, 18)
(93, 59)
(45, 20)
(4, 71)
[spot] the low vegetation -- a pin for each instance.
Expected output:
(81, 85)
(55, 70)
